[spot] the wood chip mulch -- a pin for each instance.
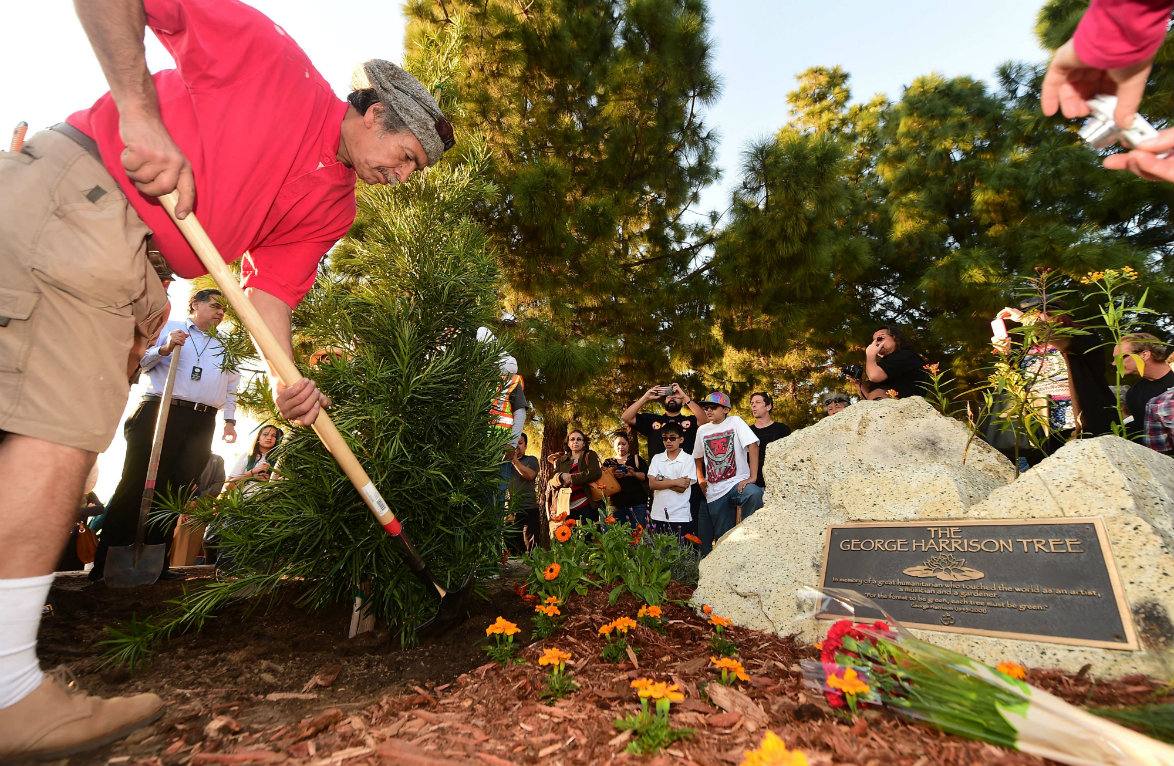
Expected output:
(492, 715)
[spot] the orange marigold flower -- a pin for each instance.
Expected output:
(624, 624)
(693, 538)
(1013, 669)
(720, 622)
(570, 523)
(609, 520)
(605, 630)
(554, 656)
(849, 683)
(652, 612)
(664, 691)
(706, 609)
(549, 611)
(501, 627)
(562, 533)
(731, 666)
(553, 600)
(552, 571)
(559, 517)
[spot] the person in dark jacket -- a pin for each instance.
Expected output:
(576, 467)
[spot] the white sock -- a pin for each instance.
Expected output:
(21, 603)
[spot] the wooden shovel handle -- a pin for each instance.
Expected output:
(279, 361)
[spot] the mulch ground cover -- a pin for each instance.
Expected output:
(279, 685)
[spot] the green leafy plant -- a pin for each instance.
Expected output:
(501, 646)
(558, 681)
(546, 618)
(650, 727)
(719, 643)
(616, 647)
(1121, 316)
(649, 566)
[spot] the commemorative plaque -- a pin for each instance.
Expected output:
(1048, 580)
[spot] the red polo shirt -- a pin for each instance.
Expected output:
(261, 129)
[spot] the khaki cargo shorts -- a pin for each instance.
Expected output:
(79, 301)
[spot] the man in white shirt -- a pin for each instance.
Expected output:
(726, 455)
(670, 474)
(201, 389)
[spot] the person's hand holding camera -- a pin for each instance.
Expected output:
(1068, 85)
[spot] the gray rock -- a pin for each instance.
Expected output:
(899, 460)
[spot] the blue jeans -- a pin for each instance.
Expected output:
(717, 516)
(631, 514)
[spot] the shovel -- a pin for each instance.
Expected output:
(452, 602)
(129, 566)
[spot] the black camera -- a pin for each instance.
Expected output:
(852, 371)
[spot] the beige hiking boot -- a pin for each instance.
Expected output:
(55, 721)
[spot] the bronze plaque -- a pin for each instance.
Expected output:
(1034, 579)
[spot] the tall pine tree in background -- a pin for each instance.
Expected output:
(592, 112)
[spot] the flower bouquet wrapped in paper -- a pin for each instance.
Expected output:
(868, 659)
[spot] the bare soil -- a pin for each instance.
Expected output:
(282, 685)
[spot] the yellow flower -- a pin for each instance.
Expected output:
(652, 612)
(670, 692)
(549, 611)
(657, 690)
(642, 683)
(1013, 669)
(849, 683)
(502, 627)
(605, 630)
(720, 622)
(892, 392)
(932, 369)
(553, 656)
(731, 666)
(624, 624)
(773, 752)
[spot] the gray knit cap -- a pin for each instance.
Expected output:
(403, 94)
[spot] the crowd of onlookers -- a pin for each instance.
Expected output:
(704, 471)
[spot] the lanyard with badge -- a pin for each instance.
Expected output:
(197, 370)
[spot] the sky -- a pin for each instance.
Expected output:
(760, 45)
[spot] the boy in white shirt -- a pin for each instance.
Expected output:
(670, 474)
(726, 453)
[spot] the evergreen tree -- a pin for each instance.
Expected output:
(592, 114)
(396, 308)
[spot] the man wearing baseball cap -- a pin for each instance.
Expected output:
(726, 453)
(252, 139)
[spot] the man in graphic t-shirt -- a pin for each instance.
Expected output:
(726, 455)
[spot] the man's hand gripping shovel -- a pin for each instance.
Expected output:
(452, 602)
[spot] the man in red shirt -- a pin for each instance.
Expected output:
(253, 140)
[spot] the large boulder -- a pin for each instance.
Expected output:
(900, 460)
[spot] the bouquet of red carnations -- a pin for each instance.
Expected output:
(877, 662)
